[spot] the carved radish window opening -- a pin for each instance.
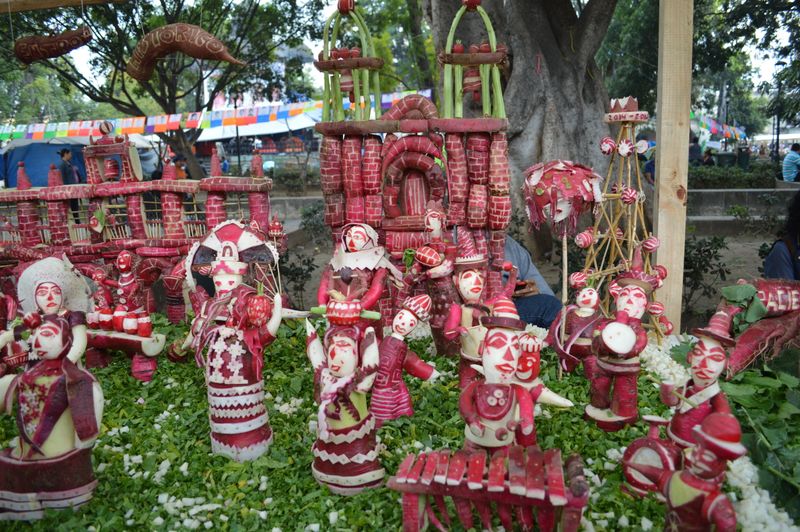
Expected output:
(408, 188)
(116, 211)
(153, 218)
(236, 206)
(78, 221)
(194, 216)
(44, 225)
(9, 223)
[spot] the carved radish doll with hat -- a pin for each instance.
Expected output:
(694, 496)
(616, 344)
(495, 406)
(345, 366)
(702, 396)
(464, 320)
(577, 323)
(390, 397)
(234, 327)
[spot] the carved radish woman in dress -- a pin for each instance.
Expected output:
(234, 326)
(60, 403)
(345, 366)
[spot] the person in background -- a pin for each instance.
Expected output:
(225, 165)
(783, 261)
(708, 158)
(69, 173)
(180, 166)
(535, 301)
(650, 168)
(695, 151)
(791, 163)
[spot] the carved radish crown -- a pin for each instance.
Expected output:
(722, 435)
(228, 261)
(419, 306)
(619, 105)
(275, 228)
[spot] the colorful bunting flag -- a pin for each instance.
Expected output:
(19, 131)
(38, 132)
(174, 122)
(150, 125)
(161, 123)
(50, 130)
(229, 118)
(216, 118)
(193, 120)
(5, 132)
(29, 131)
(63, 129)
(138, 125)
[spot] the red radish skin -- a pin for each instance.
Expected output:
(410, 144)
(371, 165)
(456, 168)
(478, 158)
(351, 166)
(330, 168)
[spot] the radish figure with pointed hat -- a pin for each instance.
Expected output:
(497, 408)
(390, 397)
(703, 395)
(694, 496)
(616, 343)
(464, 320)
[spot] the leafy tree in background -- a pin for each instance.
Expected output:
(252, 31)
(629, 59)
(774, 25)
(36, 94)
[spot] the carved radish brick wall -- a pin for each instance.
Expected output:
(171, 214)
(135, 215)
(58, 223)
(215, 209)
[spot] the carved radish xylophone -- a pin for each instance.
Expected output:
(517, 481)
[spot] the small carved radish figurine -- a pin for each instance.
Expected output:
(390, 397)
(345, 366)
(614, 367)
(495, 406)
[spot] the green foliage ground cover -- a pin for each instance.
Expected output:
(166, 419)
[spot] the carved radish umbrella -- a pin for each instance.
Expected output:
(560, 191)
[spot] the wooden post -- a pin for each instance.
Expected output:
(672, 151)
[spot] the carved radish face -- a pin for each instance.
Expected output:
(342, 356)
(632, 300)
(500, 355)
(356, 238)
(49, 297)
(470, 285)
(562, 210)
(47, 341)
(404, 322)
(703, 463)
(225, 282)
(124, 261)
(528, 366)
(707, 361)
(434, 221)
(588, 298)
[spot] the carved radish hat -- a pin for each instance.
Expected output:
(228, 261)
(636, 275)
(427, 256)
(230, 247)
(721, 434)
(718, 328)
(75, 291)
(504, 315)
(468, 257)
(419, 306)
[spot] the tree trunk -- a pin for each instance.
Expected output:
(554, 94)
(414, 29)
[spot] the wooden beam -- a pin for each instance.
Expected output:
(16, 6)
(672, 152)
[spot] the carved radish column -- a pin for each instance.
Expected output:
(215, 209)
(173, 285)
(351, 178)
(330, 167)
(259, 208)
(257, 166)
(371, 178)
(135, 215)
(499, 207)
(171, 206)
(56, 209)
(28, 218)
(456, 178)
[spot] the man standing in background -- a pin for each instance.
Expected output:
(69, 173)
(791, 163)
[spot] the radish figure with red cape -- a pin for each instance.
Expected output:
(60, 404)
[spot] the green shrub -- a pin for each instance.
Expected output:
(760, 175)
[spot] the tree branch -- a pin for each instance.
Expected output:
(592, 28)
